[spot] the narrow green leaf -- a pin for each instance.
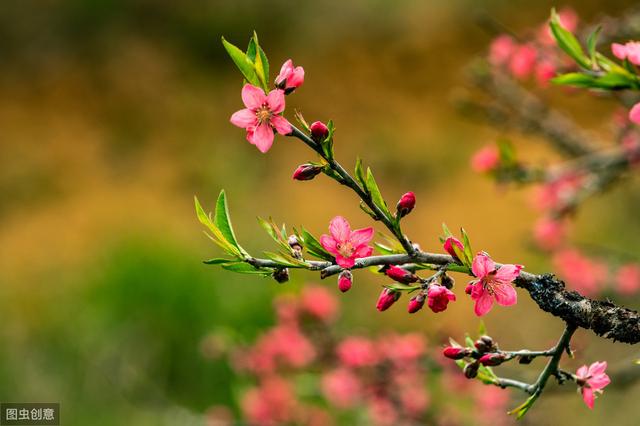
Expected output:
(482, 328)
(522, 409)
(468, 252)
(217, 236)
(376, 196)
(367, 210)
(592, 42)
(245, 268)
(223, 222)
(267, 227)
(574, 79)
(243, 63)
(382, 249)
(446, 231)
(314, 247)
(359, 171)
(217, 261)
(276, 257)
(567, 41)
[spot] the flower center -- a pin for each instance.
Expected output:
(346, 249)
(263, 113)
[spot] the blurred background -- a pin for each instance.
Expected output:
(114, 113)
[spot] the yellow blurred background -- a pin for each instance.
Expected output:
(114, 113)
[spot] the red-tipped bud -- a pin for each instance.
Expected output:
(387, 298)
(455, 352)
(416, 303)
(406, 203)
(307, 171)
(491, 360)
(345, 279)
(471, 370)
(400, 275)
(469, 288)
(448, 246)
(319, 131)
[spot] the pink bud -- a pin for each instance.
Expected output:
(455, 353)
(400, 275)
(387, 298)
(416, 303)
(406, 203)
(290, 77)
(491, 360)
(307, 171)
(448, 246)
(345, 279)
(319, 131)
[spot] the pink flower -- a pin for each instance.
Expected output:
(272, 403)
(382, 412)
(439, 297)
(549, 233)
(580, 272)
(387, 298)
(492, 284)
(448, 246)
(523, 61)
(592, 380)
(319, 302)
(630, 51)
(634, 114)
(290, 78)
(628, 279)
(261, 116)
(341, 387)
(501, 49)
(357, 352)
(345, 280)
(486, 159)
(347, 245)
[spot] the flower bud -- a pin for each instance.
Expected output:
(406, 203)
(469, 288)
(345, 279)
(481, 346)
(281, 275)
(448, 246)
(294, 243)
(400, 275)
(387, 298)
(493, 359)
(319, 131)
(307, 171)
(439, 297)
(471, 370)
(416, 303)
(455, 353)
(488, 340)
(447, 281)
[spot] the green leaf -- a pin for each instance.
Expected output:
(468, 253)
(567, 41)
(327, 143)
(269, 228)
(314, 247)
(223, 222)
(360, 173)
(245, 268)
(257, 56)
(574, 79)
(507, 153)
(277, 257)
(382, 249)
(243, 63)
(217, 236)
(482, 328)
(592, 41)
(376, 196)
(522, 409)
(217, 261)
(368, 211)
(402, 287)
(615, 80)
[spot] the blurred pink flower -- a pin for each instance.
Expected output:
(273, 402)
(486, 159)
(580, 272)
(341, 387)
(591, 380)
(634, 114)
(491, 404)
(628, 279)
(545, 71)
(555, 194)
(439, 297)
(414, 399)
(629, 50)
(290, 77)
(501, 49)
(492, 284)
(347, 245)
(402, 349)
(549, 233)
(382, 412)
(357, 352)
(523, 61)
(631, 146)
(282, 345)
(319, 302)
(261, 116)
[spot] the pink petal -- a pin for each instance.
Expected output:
(597, 368)
(583, 372)
(252, 96)
(619, 50)
(634, 114)
(340, 229)
(361, 236)
(285, 70)
(508, 273)
(275, 101)
(296, 78)
(600, 381)
(588, 397)
(362, 251)
(329, 244)
(483, 304)
(263, 137)
(244, 118)
(482, 265)
(505, 294)
(281, 124)
(345, 262)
